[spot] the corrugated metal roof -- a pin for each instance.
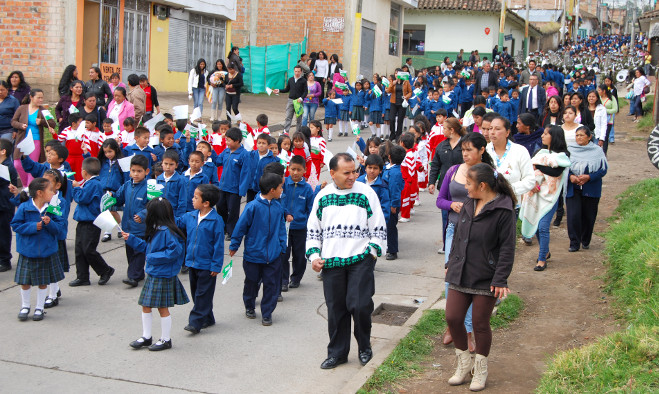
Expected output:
(540, 15)
(463, 5)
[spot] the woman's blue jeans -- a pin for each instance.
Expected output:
(309, 111)
(543, 232)
(198, 96)
(450, 230)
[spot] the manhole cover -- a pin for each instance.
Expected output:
(392, 315)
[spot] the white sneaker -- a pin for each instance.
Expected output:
(417, 202)
(403, 220)
(412, 212)
(423, 190)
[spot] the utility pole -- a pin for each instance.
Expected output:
(502, 23)
(563, 22)
(633, 24)
(575, 34)
(526, 29)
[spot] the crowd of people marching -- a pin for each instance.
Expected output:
(498, 143)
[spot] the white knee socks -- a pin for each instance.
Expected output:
(342, 126)
(25, 298)
(166, 325)
(372, 128)
(330, 131)
(54, 288)
(147, 320)
(41, 298)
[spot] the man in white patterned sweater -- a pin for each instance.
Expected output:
(346, 233)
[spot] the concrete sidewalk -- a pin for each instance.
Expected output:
(82, 344)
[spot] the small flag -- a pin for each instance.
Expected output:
(356, 130)
(403, 76)
(418, 92)
(377, 91)
(268, 90)
(69, 174)
(341, 86)
(124, 163)
(54, 209)
(106, 222)
(180, 112)
(27, 145)
(284, 159)
(4, 172)
(227, 272)
(73, 109)
(385, 82)
(196, 114)
(243, 129)
(465, 74)
(446, 99)
(107, 201)
(344, 73)
(47, 115)
(153, 189)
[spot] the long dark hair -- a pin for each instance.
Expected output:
(606, 91)
(198, 65)
(21, 78)
(547, 112)
(98, 72)
(159, 213)
(112, 144)
(558, 143)
(67, 78)
(478, 141)
(584, 103)
(224, 66)
(485, 173)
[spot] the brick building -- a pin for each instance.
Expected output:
(365, 34)
(161, 39)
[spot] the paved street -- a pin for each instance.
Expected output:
(82, 344)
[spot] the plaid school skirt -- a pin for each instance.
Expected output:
(385, 115)
(35, 271)
(162, 292)
(330, 120)
(358, 113)
(375, 117)
(343, 115)
(63, 255)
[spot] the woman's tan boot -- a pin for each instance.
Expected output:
(464, 366)
(480, 373)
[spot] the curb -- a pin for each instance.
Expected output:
(384, 350)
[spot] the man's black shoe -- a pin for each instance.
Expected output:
(79, 282)
(365, 356)
(130, 282)
(333, 362)
(106, 277)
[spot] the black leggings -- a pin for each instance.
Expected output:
(232, 101)
(396, 111)
(457, 304)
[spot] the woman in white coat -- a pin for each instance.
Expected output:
(197, 84)
(598, 111)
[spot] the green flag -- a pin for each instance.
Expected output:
(47, 115)
(54, 209)
(153, 189)
(107, 201)
(69, 174)
(377, 91)
(344, 73)
(227, 272)
(385, 82)
(418, 92)
(356, 130)
(403, 76)
(341, 86)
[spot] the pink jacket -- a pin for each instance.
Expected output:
(551, 91)
(128, 111)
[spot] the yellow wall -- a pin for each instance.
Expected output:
(163, 79)
(90, 34)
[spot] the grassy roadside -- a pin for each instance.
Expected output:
(646, 123)
(406, 358)
(627, 360)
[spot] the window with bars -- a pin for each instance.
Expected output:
(109, 40)
(200, 37)
(394, 29)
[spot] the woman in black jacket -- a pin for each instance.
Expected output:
(583, 114)
(233, 85)
(485, 228)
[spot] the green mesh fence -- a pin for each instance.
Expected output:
(270, 65)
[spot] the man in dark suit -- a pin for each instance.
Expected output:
(485, 79)
(533, 98)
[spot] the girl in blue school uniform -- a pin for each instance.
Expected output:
(163, 245)
(37, 232)
(386, 106)
(375, 110)
(111, 176)
(344, 112)
(357, 103)
(59, 187)
(331, 113)
(366, 89)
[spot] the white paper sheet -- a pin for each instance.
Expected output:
(4, 172)
(124, 163)
(196, 114)
(27, 145)
(106, 222)
(180, 112)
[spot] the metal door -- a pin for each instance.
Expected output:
(136, 38)
(367, 49)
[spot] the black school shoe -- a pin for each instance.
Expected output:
(105, 278)
(106, 237)
(294, 285)
(266, 321)
(5, 267)
(79, 282)
(250, 314)
(392, 256)
(161, 345)
(141, 342)
(51, 302)
(23, 313)
(284, 287)
(38, 316)
(365, 356)
(130, 282)
(333, 362)
(192, 329)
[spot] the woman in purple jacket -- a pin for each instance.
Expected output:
(310, 103)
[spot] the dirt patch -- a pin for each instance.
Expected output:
(392, 315)
(565, 304)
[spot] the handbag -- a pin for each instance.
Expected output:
(646, 89)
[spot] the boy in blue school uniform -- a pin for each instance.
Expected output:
(167, 144)
(204, 254)
(141, 146)
(297, 200)
(331, 113)
(132, 195)
(394, 178)
(432, 105)
(235, 180)
(193, 177)
(504, 107)
(262, 225)
(373, 177)
(466, 98)
(175, 183)
(259, 158)
(55, 159)
(88, 197)
(6, 207)
(209, 168)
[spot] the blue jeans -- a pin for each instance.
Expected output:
(198, 96)
(218, 100)
(611, 135)
(450, 230)
(543, 232)
(309, 111)
(637, 106)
